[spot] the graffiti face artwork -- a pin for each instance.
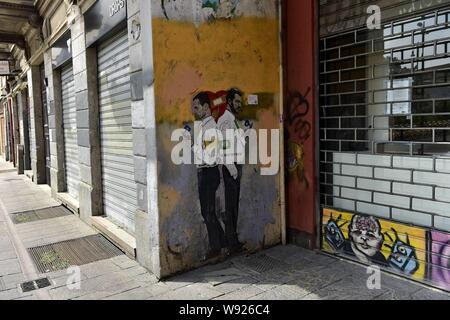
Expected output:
(411, 251)
(334, 235)
(366, 239)
(403, 256)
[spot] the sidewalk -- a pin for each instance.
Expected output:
(287, 273)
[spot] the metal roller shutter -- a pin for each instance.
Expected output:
(343, 15)
(119, 186)
(72, 166)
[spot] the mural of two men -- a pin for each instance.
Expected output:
(213, 116)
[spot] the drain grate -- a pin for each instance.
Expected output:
(42, 214)
(78, 252)
(35, 285)
(262, 263)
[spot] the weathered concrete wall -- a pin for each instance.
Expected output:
(196, 49)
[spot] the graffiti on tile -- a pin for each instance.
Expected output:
(299, 131)
(440, 258)
(409, 250)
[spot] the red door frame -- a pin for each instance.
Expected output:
(300, 38)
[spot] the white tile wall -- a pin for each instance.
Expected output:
(433, 179)
(442, 223)
(374, 185)
(442, 194)
(443, 165)
(393, 174)
(358, 171)
(439, 208)
(425, 164)
(392, 200)
(344, 204)
(344, 181)
(356, 194)
(348, 158)
(374, 160)
(413, 190)
(417, 218)
(373, 209)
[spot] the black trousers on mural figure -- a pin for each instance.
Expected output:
(208, 183)
(232, 197)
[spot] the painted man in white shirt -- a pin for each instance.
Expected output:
(208, 173)
(232, 169)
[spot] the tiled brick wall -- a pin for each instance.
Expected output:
(411, 190)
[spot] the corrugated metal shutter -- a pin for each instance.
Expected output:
(71, 161)
(119, 186)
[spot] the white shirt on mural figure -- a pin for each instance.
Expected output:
(205, 146)
(231, 153)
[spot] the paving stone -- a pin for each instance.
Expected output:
(242, 294)
(348, 289)
(430, 294)
(124, 262)
(146, 279)
(8, 267)
(134, 272)
(284, 292)
(99, 268)
(235, 285)
(197, 291)
(11, 294)
(157, 289)
(7, 254)
(12, 281)
(117, 289)
(134, 294)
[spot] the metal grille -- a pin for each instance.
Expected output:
(388, 91)
(339, 16)
(35, 285)
(262, 263)
(385, 101)
(119, 186)
(60, 256)
(385, 92)
(71, 161)
(43, 214)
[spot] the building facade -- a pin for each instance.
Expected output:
(97, 89)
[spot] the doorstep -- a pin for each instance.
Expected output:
(125, 241)
(68, 201)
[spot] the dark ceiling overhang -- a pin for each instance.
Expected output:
(16, 11)
(12, 38)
